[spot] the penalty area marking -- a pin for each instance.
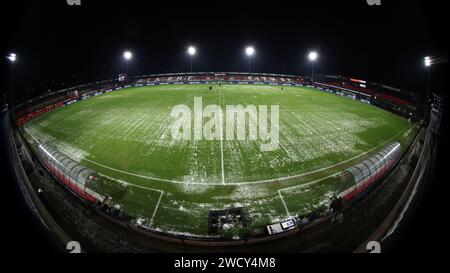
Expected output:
(123, 182)
(233, 183)
(301, 186)
(140, 187)
(330, 176)
(284, 204)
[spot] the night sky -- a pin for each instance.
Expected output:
(60, 45)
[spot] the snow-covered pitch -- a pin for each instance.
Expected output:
(170, 185)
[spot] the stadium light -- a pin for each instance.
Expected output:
(128, 56)
(312, 56)
(427, 62)
(12, 57)
(191, 51)
(250, 51)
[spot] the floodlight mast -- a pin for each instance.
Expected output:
(312, 56)
(12, 58)
(128, 56)
(191, 51)
(250, 50)
(427, 62)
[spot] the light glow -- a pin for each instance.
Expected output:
(128, 55)
(312, 56)
(250, 51)
(427, 61)
(12, 57)
(192, 50)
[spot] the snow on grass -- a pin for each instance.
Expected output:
(130, 131)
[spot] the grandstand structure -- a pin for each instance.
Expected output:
(390, 98)
(221, 77)
(393, 99)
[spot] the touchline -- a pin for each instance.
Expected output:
(209, 122)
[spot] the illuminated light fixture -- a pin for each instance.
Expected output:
(12, 57)
(128, 55)
(250, 51)
(427, 61)
(192, 50)
(312, 56)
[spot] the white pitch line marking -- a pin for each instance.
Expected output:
(156, 208)
(140, 187)
(301, 186)
(321, 179)
(221, 143)
(284, 204)
(33, 137)
(123, 182)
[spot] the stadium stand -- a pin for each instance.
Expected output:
(40, 105)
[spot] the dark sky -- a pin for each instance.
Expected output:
(59, 45)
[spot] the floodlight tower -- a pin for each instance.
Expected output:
(127, 55)
(427, 62)
(249, 51)
(191, 51)
(312, 56)
(12, 59)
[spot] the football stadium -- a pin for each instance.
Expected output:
(298, 154)
(333, 144)
(257, 159)
(173, 186)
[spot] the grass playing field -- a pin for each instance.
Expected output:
(170, 185)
